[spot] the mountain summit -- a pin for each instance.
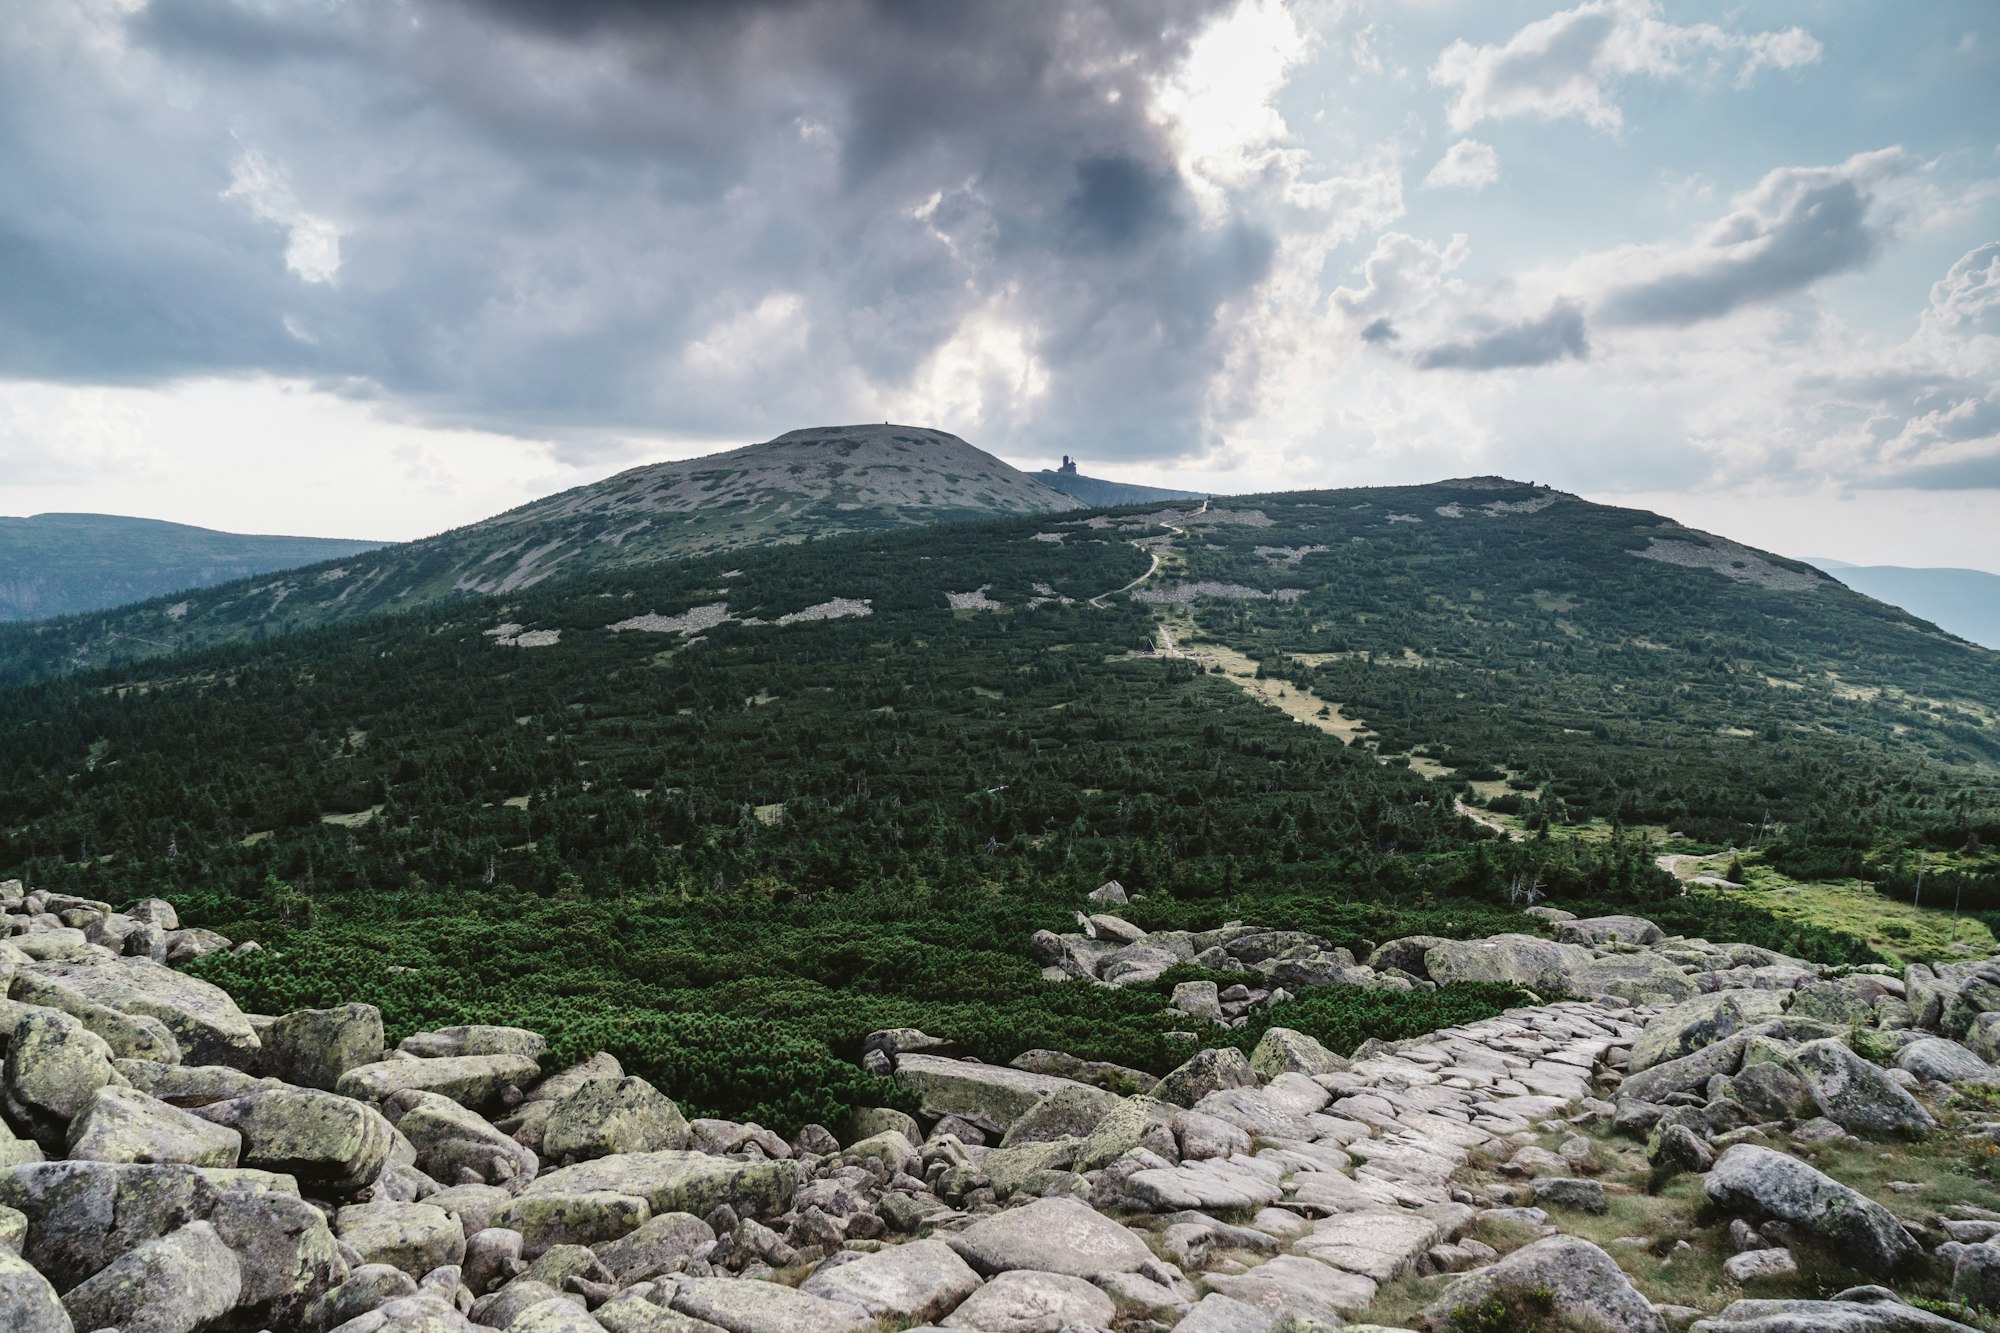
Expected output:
(805, 484)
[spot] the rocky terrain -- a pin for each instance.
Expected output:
(175, 1164)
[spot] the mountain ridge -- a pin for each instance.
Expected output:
(802, 485)
(1964, 601)
(57, 564)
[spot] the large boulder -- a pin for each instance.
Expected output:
(664, 1244)
(1136, 1122)
(366, 1288)
(1543, 966)
(1137, 964)
(1283, 1051)
(1051, 1236)
(1025, 1302)
(1609, 930)
(284, 1247)
(545, 1221)
(683, 1182)
(1642, 977)
(126, 1125)
(456, 1145)
(54, 1067)
(1205, 1072)
(1378, 1246)
(1759, 1182)
(28, 1304)
(1771, 1090)
(606, 1116)
(1406, 954)
(1292, 1285)
(188, 1086)
(1070, 1112)
(1584, 1287)
(920, 1281)
(470, 1080)
(332, 1141)
(82, 1215)
(174, 1284)
(314, 1047)
(1856, 1310)
(1831, 1002)
(1856, 1095)
(765, 1307)
(210, 1028)
(1693, 1024)
(474, 1039)
(1941, 1060)
(415, 1237)
(992, 1097)
(130, 1036)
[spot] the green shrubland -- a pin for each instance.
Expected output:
(726, 857)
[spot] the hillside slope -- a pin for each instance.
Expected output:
(61, 564)
(804, 485)
(1280, 679)
(1964, 601)
(815, 792)
(1098, 493)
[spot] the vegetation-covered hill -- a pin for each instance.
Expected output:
(1964, 601)
(1097, 493)
(835, 788)
(803, 485)
(60, 564)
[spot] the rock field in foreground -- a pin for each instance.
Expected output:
(169, 1163)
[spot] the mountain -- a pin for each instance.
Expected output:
(735, 812)
(1964, 601)
(1103, 494)
(60, 564)
(804, 485)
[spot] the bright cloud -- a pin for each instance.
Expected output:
(1574, 63)
(312, 246)
(1466, 165)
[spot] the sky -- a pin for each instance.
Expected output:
(376, 268)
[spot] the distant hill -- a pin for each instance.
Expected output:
(803, 485)
(1099, 493)
(60, 564)
(1964, 601)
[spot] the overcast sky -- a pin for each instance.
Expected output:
(379, 267)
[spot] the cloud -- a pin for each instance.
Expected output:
(563, 220)
(1797, 226)
(312, 247)
(1800, 224)
(1965, 302)
(1466, 165)
(1556, 336)
(1573, 63)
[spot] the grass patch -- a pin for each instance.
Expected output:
(1911, 934)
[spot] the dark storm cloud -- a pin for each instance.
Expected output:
(610, 215)
(1799, 226)
(1556, 336)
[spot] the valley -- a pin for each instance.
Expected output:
(790, 830)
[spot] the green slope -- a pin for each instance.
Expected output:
(804, 485)
(1097, 492)
(61, 564)
(700, 811)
